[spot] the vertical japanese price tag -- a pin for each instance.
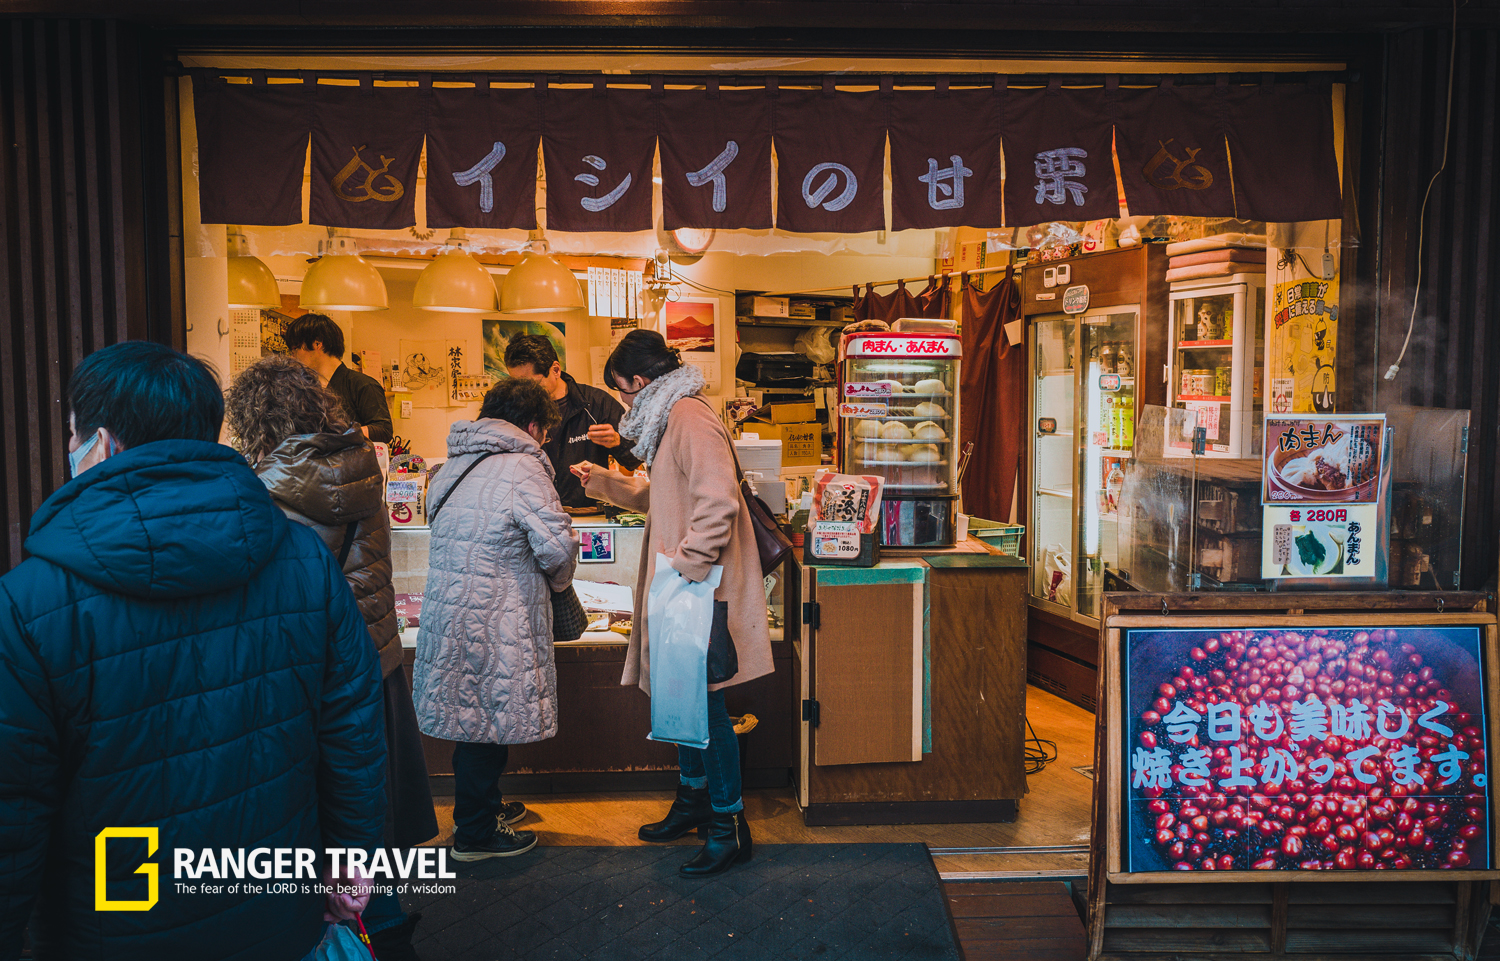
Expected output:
(1274, 748)
(1323, 481)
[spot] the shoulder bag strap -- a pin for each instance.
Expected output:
(349, 530)
(739, 473)
(431, 510)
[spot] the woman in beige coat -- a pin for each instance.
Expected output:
(696, 518)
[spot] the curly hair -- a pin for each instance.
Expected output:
(276, 398)
(522, 403)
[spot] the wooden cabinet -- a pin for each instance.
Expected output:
(913, 681)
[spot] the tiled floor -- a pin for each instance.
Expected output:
(1016, 921)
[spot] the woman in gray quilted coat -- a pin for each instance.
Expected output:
(501, 543)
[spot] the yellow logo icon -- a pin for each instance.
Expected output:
(101, 877)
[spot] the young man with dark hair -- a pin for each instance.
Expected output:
(181, 669)
(317, 341)
(590, 417)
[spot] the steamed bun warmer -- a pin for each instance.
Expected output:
(911, 443)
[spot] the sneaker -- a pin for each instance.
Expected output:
(504, 843)
(512, 812)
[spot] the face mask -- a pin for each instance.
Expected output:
(76, 457)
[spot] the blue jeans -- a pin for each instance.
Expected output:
(716, 767)
(383, 911)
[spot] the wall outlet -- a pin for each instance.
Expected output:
(406, 408)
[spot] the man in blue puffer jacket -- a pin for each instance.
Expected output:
(174, 655)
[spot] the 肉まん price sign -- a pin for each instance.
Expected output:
(1322, 484)
(1290, 749)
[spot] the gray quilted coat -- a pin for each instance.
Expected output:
(500, 544)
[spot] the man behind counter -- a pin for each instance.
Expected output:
(315, 340)
(589, 417)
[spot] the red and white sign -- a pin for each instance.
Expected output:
(904, 345)
(872, 389)
(863, 410)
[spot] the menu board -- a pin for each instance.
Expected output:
(1324, 494)
(1278, 745)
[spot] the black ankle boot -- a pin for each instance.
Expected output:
(691, 809)
(728, 843)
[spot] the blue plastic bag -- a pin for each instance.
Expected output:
(679, 617)
(341, 944)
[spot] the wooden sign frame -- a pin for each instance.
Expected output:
(1210, 611)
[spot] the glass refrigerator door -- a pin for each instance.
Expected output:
(1052, 392)
(1106, 430)
(1209, 361)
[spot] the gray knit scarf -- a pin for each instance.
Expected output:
(646, 420)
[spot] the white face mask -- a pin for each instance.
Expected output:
(76, 457)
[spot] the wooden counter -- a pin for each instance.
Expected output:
(913, 679)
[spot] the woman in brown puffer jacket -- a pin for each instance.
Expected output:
(325, 475)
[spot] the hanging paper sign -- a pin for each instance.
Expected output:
(945, 159)
(863, 410)
(831, 154)
(1325, 484)
(1058, 157)
(252, 148)
(481, 158)
(597, 147)
(869, 389)
(1076, 299)
(366, 145)
(1170, 141)
(716, 160)
(1281, 139)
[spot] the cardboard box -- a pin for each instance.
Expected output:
(792, 413)
(752, 306)
(801, 444)
(802, 310)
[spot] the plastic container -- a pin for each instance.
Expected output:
(925, 325)
(760, 456)
(1006, 538)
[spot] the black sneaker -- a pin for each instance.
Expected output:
(512, 812)
(504, 843)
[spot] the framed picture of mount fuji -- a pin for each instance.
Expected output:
(691, 323)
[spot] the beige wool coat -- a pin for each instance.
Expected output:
(695, 516)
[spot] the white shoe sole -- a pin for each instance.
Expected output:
(459, 855)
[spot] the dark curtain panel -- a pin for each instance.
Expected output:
(994, 400)
(931, 301)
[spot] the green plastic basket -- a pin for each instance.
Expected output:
(1006, 538)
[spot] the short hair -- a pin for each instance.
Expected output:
(641, 353)
(311, 329)
(143, 392)
(533, 349)
(276, 398)
(522, 403)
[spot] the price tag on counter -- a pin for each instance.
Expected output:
(834, 539)
(863, 410)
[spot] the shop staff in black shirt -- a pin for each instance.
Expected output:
(589, 417)
(317, 341)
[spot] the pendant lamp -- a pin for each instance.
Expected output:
(251, 283)
(342, 280)
(539, 284)
(456, 282)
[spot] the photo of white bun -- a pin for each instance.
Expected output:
(929, 409)
(927, 430)
(930, 386)
(895, 430)
(925, 454)
(867, 428)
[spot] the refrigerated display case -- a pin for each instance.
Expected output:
(1216, 359)
(899, 420)
(1084, 399)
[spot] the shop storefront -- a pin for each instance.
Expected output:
(1133, 259)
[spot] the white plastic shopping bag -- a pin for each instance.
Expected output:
(679, 617)
(1057, 568)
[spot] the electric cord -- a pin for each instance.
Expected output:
(1411, 323)
(705, 289)
(1038, 757)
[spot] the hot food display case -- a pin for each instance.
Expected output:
(899, 421)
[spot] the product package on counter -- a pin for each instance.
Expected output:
(842, 525)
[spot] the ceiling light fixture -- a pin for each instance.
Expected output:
(341, 279)
(539, 284)
(455, 282)
(251, 283)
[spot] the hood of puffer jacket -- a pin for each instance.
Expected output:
(490, 435)
(166, 520)
(331, 479)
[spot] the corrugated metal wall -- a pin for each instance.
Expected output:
(1454, 358)
(72, 245)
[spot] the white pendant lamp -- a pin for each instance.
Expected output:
(342, 280)
(251, 283)
(455, 282)
(539, 284)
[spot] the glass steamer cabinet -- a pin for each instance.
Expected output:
(899, 421)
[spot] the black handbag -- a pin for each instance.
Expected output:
(569, 620)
